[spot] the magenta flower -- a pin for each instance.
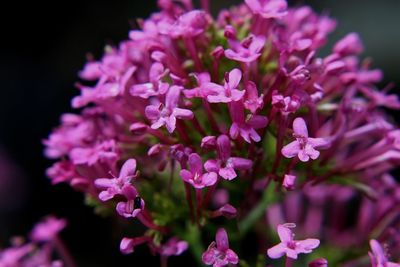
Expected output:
(247, 51)
(155, 85)
(47, 229)
(114, 186)
(289, 246)
(268, 8)
(105, 151)
(195, 175)
(289, 181)
(167, 114)
(304, 147)
(173, 247)
(378, 257)
(226, 165)
(127, 245)
(228, 92)
(285, 104)
(218, 253)
(133, 205)
(245, 127)
(321, 262)
(252, 101)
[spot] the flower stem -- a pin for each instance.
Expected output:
(288, 262)
(258, 211)
(64, 252)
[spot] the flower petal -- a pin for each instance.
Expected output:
(128, 169)
(222, 239)
(300, 127)
(291, 150)
(277, 251)
(235, 76)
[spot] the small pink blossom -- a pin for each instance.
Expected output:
(173, 247)
(303, 146)
(195, 176)
(289, 181)
(321, 262)
(247, 51)
(229, 92)
(133, 205)
(378, 257)
(268, 8)
(245, 127)
(47, 229)
(225, 165)
(167, 114)
(289, 246)
(114, 186)
(218, 253)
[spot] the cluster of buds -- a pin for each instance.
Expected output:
(237, 126)
(39, 251)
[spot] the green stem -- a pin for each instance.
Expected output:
(195, 244)
(258, 211)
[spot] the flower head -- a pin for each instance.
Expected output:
(195, 175)
(290, 247)
(304, 147)
(378, 257)
(167, 114)
(218, 253)
(268, 8)
(47, 229)
(114, 186)
(229, 92)
(225, 165)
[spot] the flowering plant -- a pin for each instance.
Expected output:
(236, 126)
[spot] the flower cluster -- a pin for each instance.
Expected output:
(237, 117)
(44, 241)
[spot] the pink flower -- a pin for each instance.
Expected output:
(173, 247)
(285, 104)
(195, 175)
(166, 115)
(252, 101)
(321, 262)
(245, 127)
(228, 92)
(115, 185)
(289, 181)
(247, 51)
(268, 8)
(155, 85)
(105, 151)
(226, 165)
(218, 253)
(289, 246)
(378, 257)
(349, 45)
(133, 205)
(303, 146)
(47, 229)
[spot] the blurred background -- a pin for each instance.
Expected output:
(43, 46)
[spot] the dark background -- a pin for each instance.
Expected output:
(43, 45)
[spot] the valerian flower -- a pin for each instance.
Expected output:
(167, 114)
(114, 186)
(268, 8)
(304, 147)
(195, 176)
(218, 253)
(289, 246)
(378, 257)
(229, 92)
(225, 165)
